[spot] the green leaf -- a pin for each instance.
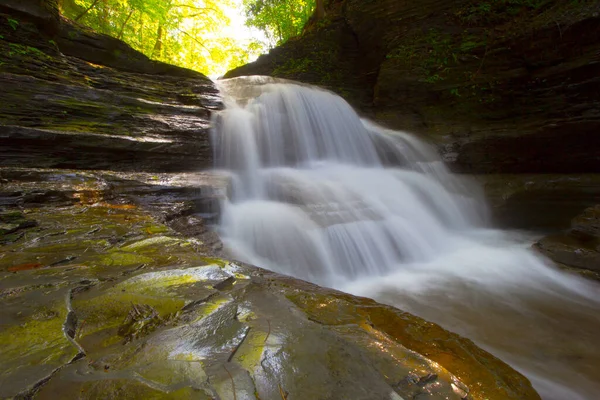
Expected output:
(13, 23)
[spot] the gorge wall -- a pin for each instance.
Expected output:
(505, 86)
(507, 89)
(73, 98)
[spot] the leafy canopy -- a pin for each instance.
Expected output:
(280, 20)
(188, 33)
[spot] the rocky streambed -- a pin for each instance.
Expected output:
(109, 287)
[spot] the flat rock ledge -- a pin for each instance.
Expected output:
(577, 249)
(100, 298)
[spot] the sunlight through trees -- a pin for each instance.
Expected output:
(196, 34)
(188, 33)
(279, 19)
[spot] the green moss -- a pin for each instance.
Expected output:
(154, 229)
(251, 352)
(152, 242)
(110, 310)
(294, 66)
(16, 49)
(215, 261)
(38, 340)
(13, 23)
(496, 11)
(124, 259)
(125, 390)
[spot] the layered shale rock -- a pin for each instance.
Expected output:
(72, 98)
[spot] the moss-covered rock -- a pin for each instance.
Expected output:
(101, 299)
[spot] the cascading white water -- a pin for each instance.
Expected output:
(319, 194)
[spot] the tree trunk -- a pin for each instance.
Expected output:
(77, 18)
(105, 22)
(124, 24)
(158, 45)
(320, 10)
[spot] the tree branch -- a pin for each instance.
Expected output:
(86, 10)
(196, 8)
(125, 23)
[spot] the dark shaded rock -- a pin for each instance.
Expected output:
(43, 12)
(580, 246)
(541, 202)
(509, 89)
(12, 224)
(587, 225)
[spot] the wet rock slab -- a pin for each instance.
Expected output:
(101, 297)
(579, 247)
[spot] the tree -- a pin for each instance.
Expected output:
(181, 32)
(281, 20)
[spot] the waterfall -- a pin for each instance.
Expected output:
(320, 194)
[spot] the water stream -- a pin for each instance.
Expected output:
(319, 194)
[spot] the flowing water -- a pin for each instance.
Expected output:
(319, 194)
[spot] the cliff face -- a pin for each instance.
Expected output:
(503, 86)
(72, 98)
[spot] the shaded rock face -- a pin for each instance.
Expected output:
(579, 247)
(541, 202)
(72, 98)
(101, 298)
(509, 88)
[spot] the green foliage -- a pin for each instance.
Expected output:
(180, 32)
(496, 11)
(280, 20)
(434, 53)
(21, 50)
(293, 67)
(455, 92)
(13, 23)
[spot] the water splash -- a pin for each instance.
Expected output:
(322, 195)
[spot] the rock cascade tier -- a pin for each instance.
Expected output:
(579, 247)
